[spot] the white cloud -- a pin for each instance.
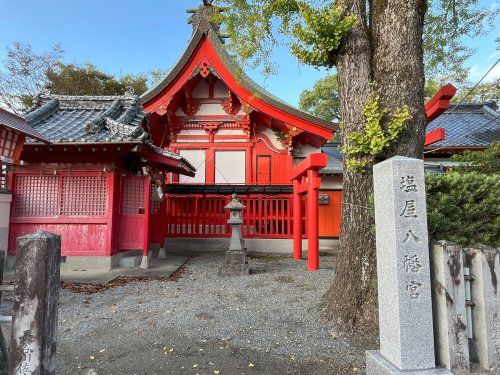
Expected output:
(476, 72)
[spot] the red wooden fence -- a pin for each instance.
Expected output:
(204, 216)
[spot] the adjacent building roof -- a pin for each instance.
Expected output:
(335, 159)
(94, 119)
(81, 119)
(201, 27)
(18, 124)
(472, 125)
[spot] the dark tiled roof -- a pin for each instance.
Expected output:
(93, 119)
(79, 119)
(15, 122)
(203, 27)
(335, 160)
(468, 126)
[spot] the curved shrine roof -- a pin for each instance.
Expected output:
(203, 27)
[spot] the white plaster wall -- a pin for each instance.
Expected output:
(302, 151)
(242, 139)
(272, 137)
(193, 132)
(230, 167)
(197, 159)
(220, 90)
(230, 132)
(201, 90)
(211, 109)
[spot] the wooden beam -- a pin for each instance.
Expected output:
(312, 162)
(434, 136)
(440, 102)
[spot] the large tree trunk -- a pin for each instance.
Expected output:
(394, 63)
(350, 299)
(398, 67)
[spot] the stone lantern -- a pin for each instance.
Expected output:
(235, 260)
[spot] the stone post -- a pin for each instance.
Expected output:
(484, 265)
(403, 271)
(36, 296)
(235, 260)
(448, 296)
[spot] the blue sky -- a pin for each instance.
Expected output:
(122, 37)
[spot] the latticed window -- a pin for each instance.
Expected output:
(83, 195)
(133, 196)
(36, 196)
(59, 195)
(154, 199)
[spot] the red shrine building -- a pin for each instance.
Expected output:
(239, 137)
(124, 174)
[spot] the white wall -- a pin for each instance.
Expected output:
(230, 167)
(197, 159)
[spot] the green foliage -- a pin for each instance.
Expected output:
(432, 86)
(323, 100)
(487, 161)
(464, 208)
(318, 37)
(73, 79)
(363, 148)
(312, 29)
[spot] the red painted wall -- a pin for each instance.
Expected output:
(44, 200)
(329, 215)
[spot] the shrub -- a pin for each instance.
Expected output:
(464, 208)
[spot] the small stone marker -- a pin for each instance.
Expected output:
(36, 296)
(404, 290)
(235, 260)
(484, 264)
(448, 294)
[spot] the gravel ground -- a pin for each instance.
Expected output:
(265, 323)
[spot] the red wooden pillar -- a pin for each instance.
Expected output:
(297, 221)
(111, 213)
(312, 220)
(147, 209)
(308, 168)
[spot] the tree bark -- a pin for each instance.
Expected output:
(350, 300)
(390, 55)
(398, 68)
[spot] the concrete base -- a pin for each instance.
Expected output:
(378, 365)
(145, 262)
(162, 253)
(253, 245)
(129, 261)
(235, 263)
(87, 262)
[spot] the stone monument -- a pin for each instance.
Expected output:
(235, 260)
(36, 297)
(403, 271)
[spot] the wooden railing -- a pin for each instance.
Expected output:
(204, 216)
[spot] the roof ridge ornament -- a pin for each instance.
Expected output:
(201, 15)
